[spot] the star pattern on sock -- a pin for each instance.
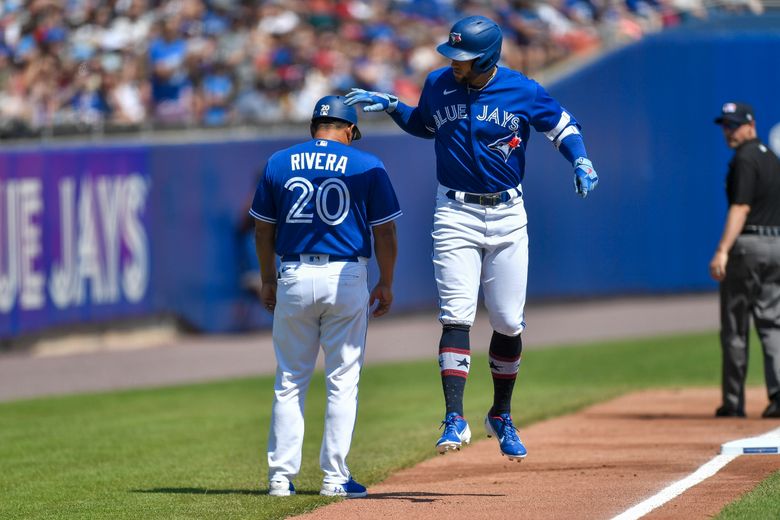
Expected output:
(463, 363)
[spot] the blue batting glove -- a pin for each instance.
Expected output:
(379, 101)
(585, 177)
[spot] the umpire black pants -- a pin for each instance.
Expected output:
(751, 288)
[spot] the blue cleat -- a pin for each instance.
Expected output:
(456, 433)
(501, 427)
(350, 489)
(280, 488)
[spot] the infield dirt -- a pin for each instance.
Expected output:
(591, 465)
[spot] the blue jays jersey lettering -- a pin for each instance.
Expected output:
(323, 197)
(481, 135)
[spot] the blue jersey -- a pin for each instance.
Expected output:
(481, 134)
(324, 196)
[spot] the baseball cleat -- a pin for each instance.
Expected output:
(725, 411)
(280, 488)
(350, 489)
(456, 433)
(501, 427)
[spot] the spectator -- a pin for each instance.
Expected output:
(128, 92)
(131, 29)
(216, 93)
(15, 111)
(88, 102)
(171, 85)
(274, 56)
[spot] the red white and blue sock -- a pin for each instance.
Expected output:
(454, 364)
(505, 354)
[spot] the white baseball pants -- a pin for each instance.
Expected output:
(317, 304)
(475, 244)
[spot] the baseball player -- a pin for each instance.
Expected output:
(316, 207)
(480, 116)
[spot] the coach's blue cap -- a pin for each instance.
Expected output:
(735, 113)
(333, 107)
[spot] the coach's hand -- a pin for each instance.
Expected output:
(384, 295)
(585, 177)
(268, 295)
(379, 101)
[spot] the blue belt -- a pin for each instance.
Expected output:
(484, 199)
(331, 258)
(767, 231)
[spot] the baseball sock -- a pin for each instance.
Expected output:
(504, 364)
(454, 362)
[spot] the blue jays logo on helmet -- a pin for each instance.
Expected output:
(474, 38)
(333, 107)
(506, 145)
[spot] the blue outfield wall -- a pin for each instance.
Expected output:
(91, 234)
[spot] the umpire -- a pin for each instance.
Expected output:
(747, 260)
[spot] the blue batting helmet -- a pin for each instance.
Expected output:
(333, 107)
(474, 38)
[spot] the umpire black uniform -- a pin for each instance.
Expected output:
(747, 262)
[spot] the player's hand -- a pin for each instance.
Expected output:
(718, 265)
(585, 177)
(268, 295)
(377, 101)
(384, 295)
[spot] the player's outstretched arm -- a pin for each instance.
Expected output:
(386, 250)
(264, 246)
(373, 101)
(408, 118)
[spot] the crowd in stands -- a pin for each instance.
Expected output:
(194, 63)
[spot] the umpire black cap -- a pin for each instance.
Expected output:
(735, 113)
(333, 107)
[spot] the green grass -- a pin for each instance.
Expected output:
(198, 451)
(763, 503)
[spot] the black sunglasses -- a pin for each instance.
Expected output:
(731, 125)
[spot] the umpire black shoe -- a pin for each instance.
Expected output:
(773, 410)
(724, 411)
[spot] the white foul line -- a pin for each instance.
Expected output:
(669, 492)
(673, 490)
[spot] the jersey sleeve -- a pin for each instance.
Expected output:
(746, 175)
(263, 205)
(416, 121)
(572, 147)
(548, 117)
(382, 202)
